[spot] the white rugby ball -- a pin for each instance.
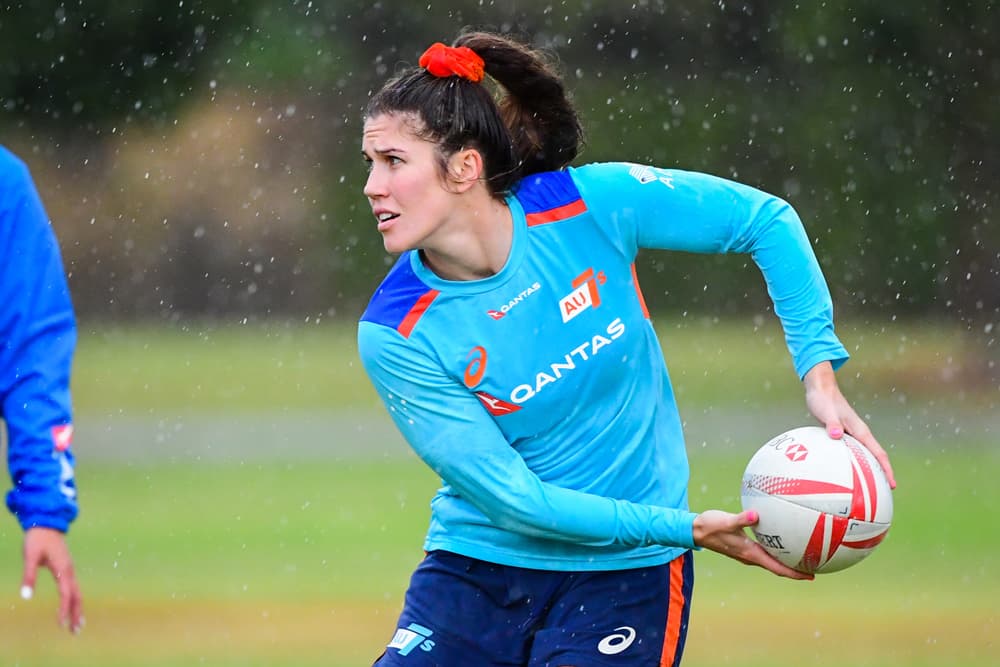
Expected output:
(824, 504)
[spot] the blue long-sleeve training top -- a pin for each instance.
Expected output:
(37, 339)
(540, 395)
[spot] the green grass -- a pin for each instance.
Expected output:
(210, 367)
(305, 564)
(291, 561)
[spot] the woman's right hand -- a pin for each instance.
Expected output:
(726, 534)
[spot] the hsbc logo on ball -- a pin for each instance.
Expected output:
(796, 452)
(793, 451)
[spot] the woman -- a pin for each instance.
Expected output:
(513, 349)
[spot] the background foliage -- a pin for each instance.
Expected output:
(201, 157)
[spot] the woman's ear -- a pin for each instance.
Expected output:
(465, 169)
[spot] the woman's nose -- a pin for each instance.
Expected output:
(375, 185)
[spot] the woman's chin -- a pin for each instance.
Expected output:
(395, 246)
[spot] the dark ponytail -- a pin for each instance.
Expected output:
(535, 106)
(531, 128)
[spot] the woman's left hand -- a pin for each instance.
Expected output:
(828, 405)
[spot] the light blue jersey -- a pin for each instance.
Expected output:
(540, 395)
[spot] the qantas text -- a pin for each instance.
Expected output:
(497, 314)
(556, 370)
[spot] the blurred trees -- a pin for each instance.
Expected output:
(202, 157)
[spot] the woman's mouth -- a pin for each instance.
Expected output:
(385, 220)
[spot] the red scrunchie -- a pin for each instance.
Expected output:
(442, 61)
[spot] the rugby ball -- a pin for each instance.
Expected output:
(824, 504)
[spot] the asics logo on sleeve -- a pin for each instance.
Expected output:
(619, 641)
(476, 367)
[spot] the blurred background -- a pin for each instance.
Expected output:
(244, 499)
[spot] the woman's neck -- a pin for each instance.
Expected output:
(476, 247)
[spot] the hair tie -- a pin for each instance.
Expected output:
(443, 61)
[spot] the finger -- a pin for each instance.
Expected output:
(65, 583)
(755, 554)
(75, 609)
(69, 594)
(863, 434)
(765, 560)
(29, 577)
(883, 460)
(747, 518)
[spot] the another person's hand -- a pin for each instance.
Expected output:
(828, 405)
(726, 534)
(46, 547)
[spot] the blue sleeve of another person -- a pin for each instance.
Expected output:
(37, 340)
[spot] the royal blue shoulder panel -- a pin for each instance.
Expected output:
(550, 191)
(400, 299)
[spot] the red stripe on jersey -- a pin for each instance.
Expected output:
(419, 308)
(638, 291)
(553, 214)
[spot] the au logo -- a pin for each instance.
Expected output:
(584, 295)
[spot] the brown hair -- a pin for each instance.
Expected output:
(530, 127)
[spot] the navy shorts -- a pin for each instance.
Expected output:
(463, 612)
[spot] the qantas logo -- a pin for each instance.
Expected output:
(557, 370)
(498, 313)
(584, 295)
(495, 406)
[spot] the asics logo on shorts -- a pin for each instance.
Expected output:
(617, 642)
(408, 638)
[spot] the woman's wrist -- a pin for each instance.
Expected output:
(820, 376)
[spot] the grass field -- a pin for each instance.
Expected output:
(300, 559)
